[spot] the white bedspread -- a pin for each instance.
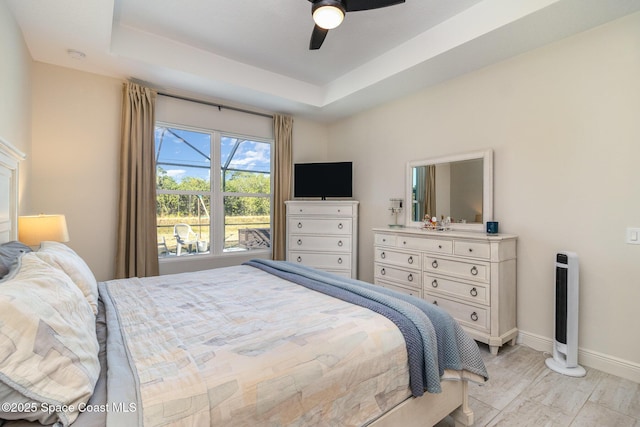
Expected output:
(238, 346)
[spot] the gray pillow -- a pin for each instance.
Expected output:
(9, 253)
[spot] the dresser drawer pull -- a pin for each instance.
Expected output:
(434, 283)
(410, 260)
(339, 260)
(340, 226)
(404, 243)
(470, 250)
(299, 225)
(474, 316)
(383, 255)
(435, 302)
(439, 246)
(474, 271)
(299, 259)
(383, 271)
(410, 277)
(299, 242)
(340, 243)
(473, 292)
(434, 264)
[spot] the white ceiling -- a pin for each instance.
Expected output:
(255, 52)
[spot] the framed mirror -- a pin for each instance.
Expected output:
(459, 186)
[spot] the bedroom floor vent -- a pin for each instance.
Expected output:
(565, 344)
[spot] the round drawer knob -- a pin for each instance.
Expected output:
(410, 260)
(439, 246)
(434, 283)
(299, 225)
(299, 242)
(383, 272)
(410, 277)
(434, 263)
(470, 250)
(474, 271)
(435, 302)
(340, 226)
(383, 255)
(339, 260)
(474, 316)
(340, 243)
(299, 259)
(473, 292)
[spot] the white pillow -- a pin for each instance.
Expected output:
(63, 257)
(49, 354)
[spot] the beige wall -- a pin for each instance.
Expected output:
(564, 125)
(15, 95)
(76, 131)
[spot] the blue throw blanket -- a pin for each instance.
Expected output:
(434, 340)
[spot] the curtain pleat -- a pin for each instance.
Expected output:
(430, 197)
(282, 177)
(137, 247)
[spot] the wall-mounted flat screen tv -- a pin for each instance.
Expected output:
(332, 179)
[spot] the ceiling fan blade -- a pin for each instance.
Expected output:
(357, 5)
(317, 37)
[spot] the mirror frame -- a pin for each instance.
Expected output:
(487, 187)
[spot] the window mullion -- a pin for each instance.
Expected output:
(217, 210)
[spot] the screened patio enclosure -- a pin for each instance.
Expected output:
(216, 188)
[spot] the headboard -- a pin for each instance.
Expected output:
(10, 158)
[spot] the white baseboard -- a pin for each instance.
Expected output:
(593, 359)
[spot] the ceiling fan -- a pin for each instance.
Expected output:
(328, 14)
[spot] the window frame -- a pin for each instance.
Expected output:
(216, 194)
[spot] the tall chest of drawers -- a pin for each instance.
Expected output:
(324, 235)
(471, 275)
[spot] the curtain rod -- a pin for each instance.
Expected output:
(220, 106)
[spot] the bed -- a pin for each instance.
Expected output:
(263, 343)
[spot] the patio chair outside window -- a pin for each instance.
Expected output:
(186, 237)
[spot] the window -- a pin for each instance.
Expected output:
(213, 192)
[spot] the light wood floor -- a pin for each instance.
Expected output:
(522, 391)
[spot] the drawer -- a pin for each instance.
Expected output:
(304, 242)
(384, 239)
(324, 261)
(466, 314)
(476, 271)
(472, 249)
(402, 259)
(403, 290)
(408, 278)
(442, 246)
(477, 292)
(324, 208)
(320, 226)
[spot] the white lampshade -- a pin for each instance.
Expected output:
(34, 229)
(328, 16)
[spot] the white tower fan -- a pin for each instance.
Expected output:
(565, 344)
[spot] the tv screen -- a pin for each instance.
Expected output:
(322, 179)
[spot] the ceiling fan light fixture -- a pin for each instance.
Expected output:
(328, 14)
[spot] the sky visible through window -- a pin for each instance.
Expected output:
(185, 153)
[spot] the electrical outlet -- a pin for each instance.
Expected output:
(633, 236)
